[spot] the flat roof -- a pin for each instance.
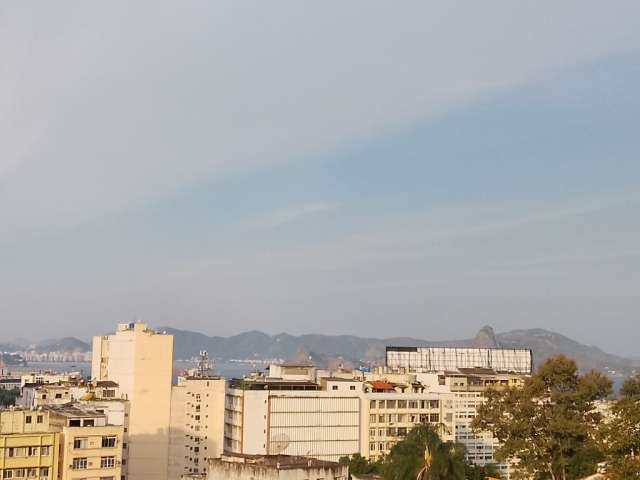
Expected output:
(279, 462)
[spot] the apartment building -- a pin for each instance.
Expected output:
(139, 360)
(466, 373)
(196, 432)
(66, 443)
(392, 411)
(29, 446)
(292, 417)
(91, 448)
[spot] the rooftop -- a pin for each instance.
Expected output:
(279, 462)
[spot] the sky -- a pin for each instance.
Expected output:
(418, 169)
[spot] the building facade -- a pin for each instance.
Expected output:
(139, 360)
(196, 433)
(59, 443)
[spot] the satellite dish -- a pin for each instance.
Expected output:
(279, 443)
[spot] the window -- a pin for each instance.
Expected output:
(74, 423)
(79, 463)
(106, 478)
(434, 418)
(58, 395)
(391, 404)
(44, 451)
(32, 472)
(27, 419)
(80, 442)
(402, 404)
(44, 471)
(107, 462)
(108, 442)
(11, 452)
(334, 387)
(32, 451)
(39, 419)
(88, 423)
(7, 474)
(372, 404)
(380, 403)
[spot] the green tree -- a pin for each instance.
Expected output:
(623, 433)
(551, 423)
(359, 465)
(480, 472)
(8, 397)
(407, 458)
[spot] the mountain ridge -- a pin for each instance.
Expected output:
(260, 346)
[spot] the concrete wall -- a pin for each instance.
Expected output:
(239, 471)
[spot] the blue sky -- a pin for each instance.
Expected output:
(467, 166)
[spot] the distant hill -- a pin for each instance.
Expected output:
(10, 347)
(258, 345)
(66, 344)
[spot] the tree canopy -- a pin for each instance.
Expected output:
(446, 460)
(550, 424)
(623, 433)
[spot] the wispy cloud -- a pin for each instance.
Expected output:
(284, 216)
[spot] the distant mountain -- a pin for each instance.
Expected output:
(258, 345)
(545, 343)
(10, 347)
(66, 344)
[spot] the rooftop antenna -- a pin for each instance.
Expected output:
(204, 364)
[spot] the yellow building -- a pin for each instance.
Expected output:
(59, 443)
(140, 360)
(91, 449)
(28, 449)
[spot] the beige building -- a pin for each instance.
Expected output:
(59, 443)
(271, 467)
(29, 446)
(196, 433)
(139, 360)
(91, 448)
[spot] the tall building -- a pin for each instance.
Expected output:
(196, 433)
(140, 361)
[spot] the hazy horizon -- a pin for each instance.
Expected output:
(332, 168)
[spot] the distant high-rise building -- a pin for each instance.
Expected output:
(197, 423)
(140, 361)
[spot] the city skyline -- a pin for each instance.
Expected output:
(231, 168)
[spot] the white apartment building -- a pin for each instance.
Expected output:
(291, 418)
